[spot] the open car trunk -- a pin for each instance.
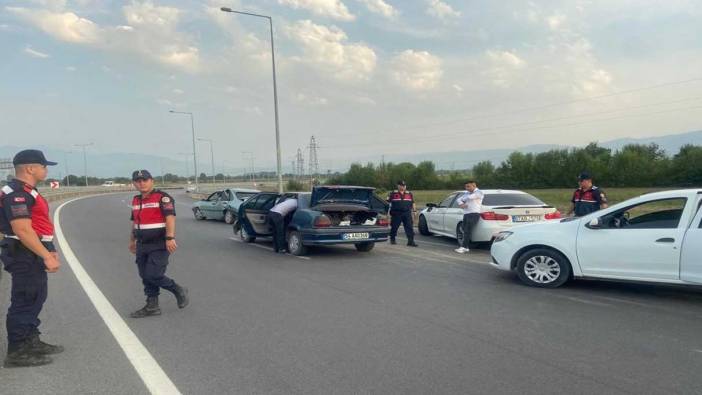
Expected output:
(348, 205)
(348, 214)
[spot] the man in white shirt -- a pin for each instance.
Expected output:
(471, 202)
(277, 217)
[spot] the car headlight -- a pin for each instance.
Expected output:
(502, 236)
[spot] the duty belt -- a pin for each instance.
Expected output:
(47, 239)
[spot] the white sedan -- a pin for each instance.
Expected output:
(501, 210)
(655, 237)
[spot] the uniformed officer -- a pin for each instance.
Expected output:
(28, 254)
(587, 198)
(402, 208)
(152, 240)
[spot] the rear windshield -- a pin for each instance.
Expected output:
(245, 195)
(511, 199)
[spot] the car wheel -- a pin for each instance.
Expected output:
(229, 217)
(423, 227)
(198, 214)
(543, 268)
(295, 245)
(365, 246)
(245, 236)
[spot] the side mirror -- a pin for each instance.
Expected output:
(431, 205)
(594, 224)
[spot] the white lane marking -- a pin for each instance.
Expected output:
(155, 379)
(269, 248)
(422, 241)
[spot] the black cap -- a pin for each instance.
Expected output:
(584, 176)
(141, 175)
(31, 156)
(402, 182)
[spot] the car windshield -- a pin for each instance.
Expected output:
(511, 199)
(244, 195)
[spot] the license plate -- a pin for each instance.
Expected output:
(525, 218)
(355, 236)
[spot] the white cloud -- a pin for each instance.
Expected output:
(441, 10)
(35, 54)
(65, 26)
(334, 9)
(416, 70)
(555, 21)
(148, 15)
(178, 91)
(327, 49)
(381, 7)
(505, 58)
(311, 100)
(502, 67)
(71, 69)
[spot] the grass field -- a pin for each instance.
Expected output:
(559, 198)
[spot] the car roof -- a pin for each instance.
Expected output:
(244, 190)
(673, 193)
(343, 187)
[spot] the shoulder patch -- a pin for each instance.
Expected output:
(166, 199)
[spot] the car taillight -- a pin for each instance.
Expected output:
(493, 216)
(383, 221)
(554, 215)
(322, 221)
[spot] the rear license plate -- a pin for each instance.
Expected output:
(355, 236)
(525, 218)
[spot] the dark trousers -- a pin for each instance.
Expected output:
(404, 218)
(152, 261)
(278, 223)
(28, 294)
(469, 222)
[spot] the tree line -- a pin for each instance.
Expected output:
(634, 165)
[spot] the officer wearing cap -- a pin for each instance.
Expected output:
(28, 254)
(402, 208)
(587, 198)
(152, 240)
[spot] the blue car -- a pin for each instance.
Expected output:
(327, 215)
(222, 205)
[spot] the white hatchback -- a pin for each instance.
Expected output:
(502, 210)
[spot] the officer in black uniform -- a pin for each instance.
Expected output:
(402, 208)
(28, 254)
(152, 241)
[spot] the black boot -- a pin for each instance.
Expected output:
(181, 294)
(392, 240)
(37, 346)
(150, 309)
(411, 243)
(22, 356)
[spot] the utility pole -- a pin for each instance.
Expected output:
(85, 161)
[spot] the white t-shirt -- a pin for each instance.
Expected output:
(473, 201)
(286, 207)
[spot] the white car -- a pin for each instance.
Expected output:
(501, 210)
(655, 237)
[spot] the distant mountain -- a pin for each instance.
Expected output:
(122, 164)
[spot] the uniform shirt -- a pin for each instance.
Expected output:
(20, 200)
(285, 207)
(472, 200)
(400, 202)
(149, 215)
(588, 201)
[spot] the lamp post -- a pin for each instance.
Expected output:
(85, 161)
(214, 181)
(192, 125)
(275, 93)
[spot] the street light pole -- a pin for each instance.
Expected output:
(214, 181)
(192, 125)
(85, 161)
(275, 94)
(65, 166)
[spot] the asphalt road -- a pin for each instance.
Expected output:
(397, 320)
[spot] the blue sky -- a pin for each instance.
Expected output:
(366, 77)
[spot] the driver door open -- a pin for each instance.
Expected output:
(256, 212)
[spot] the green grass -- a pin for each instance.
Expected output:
(559, 198)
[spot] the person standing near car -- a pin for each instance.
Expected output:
(587, 198)
(471, 202)
(277, 219)
(28, 254)
(152, 240)
(402, 208)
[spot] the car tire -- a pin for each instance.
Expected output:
(423, 226)
(365, 246)
(198, 214)
(229, 217)
(295, 245)
(543, 268)
(245, 236)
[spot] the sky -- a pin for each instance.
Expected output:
(366, 77)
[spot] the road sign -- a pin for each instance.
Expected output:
(54, 184)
